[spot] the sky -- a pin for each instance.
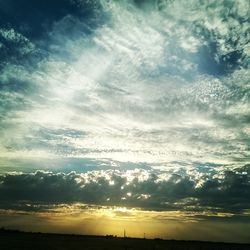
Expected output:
(126, 115)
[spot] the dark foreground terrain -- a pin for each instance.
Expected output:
(40, 241)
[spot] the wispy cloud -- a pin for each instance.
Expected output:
(135, 86)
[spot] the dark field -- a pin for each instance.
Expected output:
(10, 240)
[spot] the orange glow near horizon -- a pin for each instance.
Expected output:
(76, 219)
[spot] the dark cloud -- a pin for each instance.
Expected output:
(226, 191)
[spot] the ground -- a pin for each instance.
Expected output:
(14, 240)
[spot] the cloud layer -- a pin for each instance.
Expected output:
(182, 190)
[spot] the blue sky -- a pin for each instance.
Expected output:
(136, 104)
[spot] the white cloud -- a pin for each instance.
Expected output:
(133, 86)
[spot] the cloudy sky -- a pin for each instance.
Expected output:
(126, 114)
